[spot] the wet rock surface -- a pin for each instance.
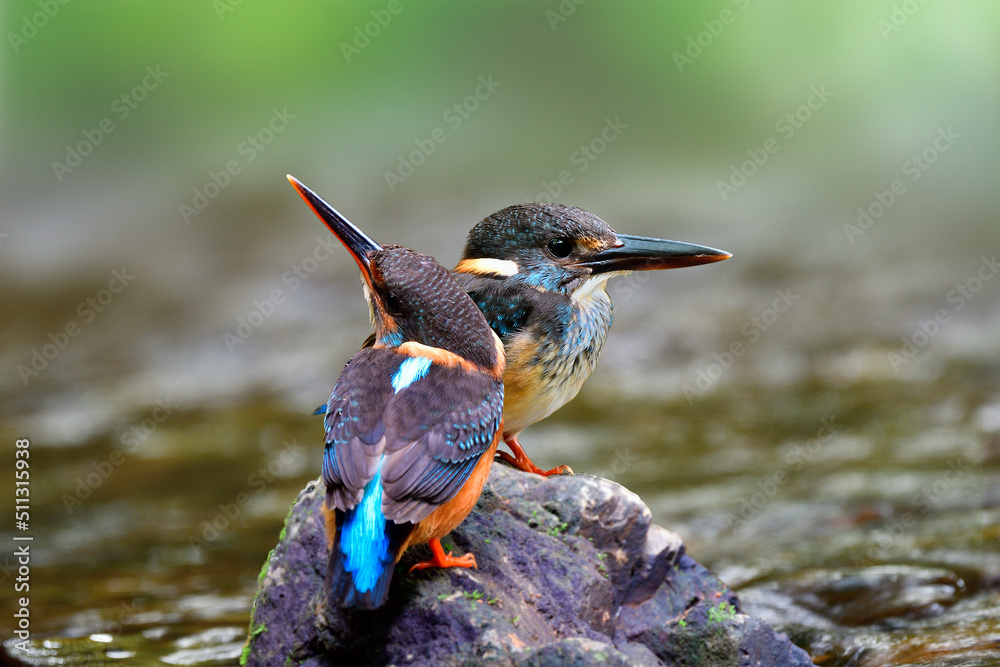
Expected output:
(571, 572)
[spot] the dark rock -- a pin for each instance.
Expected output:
(571, 572)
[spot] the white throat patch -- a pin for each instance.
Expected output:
(594, 284)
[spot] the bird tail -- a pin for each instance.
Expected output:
(365, 551)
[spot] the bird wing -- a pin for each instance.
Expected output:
(355, 426)
(427, 435)
(437, 430)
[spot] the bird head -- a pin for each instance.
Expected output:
(411, 297)
(561, 248)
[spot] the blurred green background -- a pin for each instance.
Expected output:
(760, 128)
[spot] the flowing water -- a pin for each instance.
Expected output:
(818, 417)
(849, 495)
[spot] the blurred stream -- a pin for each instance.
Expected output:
(818, 417)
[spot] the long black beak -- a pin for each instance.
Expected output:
(355, 240)
(637, 253)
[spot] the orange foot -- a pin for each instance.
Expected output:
(440, 559)
(521, 461)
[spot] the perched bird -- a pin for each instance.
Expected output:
(538, 273)
(413, 422)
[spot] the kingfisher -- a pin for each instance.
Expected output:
(413, 422)
(538, 272)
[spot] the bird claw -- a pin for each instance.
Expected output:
(443, 560)
(468, 560)
(521, 461)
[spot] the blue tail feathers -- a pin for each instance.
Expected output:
(364, 540)
(365, 552)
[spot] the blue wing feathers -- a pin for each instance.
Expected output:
(403, 436)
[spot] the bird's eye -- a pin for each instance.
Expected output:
(559, 248)
(392, 304)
